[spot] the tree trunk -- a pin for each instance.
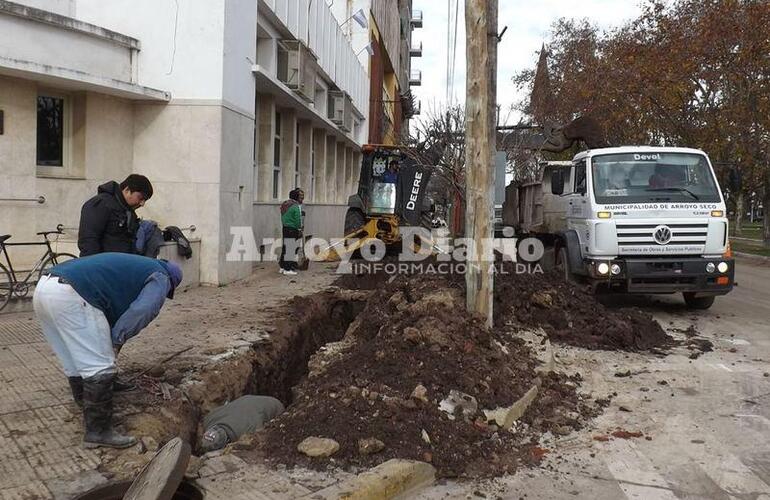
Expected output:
(766, 208)
(480, 141)
(740, 205)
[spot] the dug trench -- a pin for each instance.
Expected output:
(271, 367)
(395, 368)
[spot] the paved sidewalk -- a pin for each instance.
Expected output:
(40, 426)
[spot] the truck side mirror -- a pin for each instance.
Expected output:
(557, 182)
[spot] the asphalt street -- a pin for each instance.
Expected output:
(706, 422)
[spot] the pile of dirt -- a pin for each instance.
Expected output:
(378, 392)
(570, 314)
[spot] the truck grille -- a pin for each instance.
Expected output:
(681, 234)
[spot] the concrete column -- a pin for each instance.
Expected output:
(305, 145)
(340, 178)
(349, 169)
(356, 169)
(331, 169)
(265, 133)
(319, 191)
(288, 151)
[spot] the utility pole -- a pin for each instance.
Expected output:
(480, 147)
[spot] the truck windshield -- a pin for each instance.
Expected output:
(653, 177)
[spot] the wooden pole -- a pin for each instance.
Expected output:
(480, 147)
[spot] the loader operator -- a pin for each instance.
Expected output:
(89, 307)
(391, 176)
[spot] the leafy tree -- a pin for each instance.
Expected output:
(689, 73)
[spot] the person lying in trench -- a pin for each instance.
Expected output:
(244, 415)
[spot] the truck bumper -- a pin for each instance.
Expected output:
(667, 275)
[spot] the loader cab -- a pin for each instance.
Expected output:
(376, 195)
(379, 177)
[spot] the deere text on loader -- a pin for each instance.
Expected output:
(391, 194)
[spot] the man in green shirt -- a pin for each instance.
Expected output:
(291, 221)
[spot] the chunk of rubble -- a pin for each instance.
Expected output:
(318, 447)
(465, 403)
(505, 417)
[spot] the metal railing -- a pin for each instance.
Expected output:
(62, 227)
(39, 199)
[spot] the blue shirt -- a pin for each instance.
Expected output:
(129, 289)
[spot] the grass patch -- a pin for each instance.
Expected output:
(744, 247)
(752, 231)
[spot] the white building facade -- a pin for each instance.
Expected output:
(225, 105)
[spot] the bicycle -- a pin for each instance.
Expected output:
(10, 285)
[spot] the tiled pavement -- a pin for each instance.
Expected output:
(40, 429)
(41, 456)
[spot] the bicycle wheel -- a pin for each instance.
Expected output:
(6, 287)
(53, 260)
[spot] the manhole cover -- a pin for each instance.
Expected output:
(160, 478)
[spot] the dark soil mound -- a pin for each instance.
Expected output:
(415, 332)
(570, 314)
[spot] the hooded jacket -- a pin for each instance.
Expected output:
(107, 223)
(291, 214)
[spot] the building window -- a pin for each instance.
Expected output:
(296, 156)
(51, 133)
(277, 157)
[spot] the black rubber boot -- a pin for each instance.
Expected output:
(76, 385)
(122, 385)
(97, 413)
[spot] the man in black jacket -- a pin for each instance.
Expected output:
(108, 222)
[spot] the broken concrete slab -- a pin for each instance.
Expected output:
(394, 478)
(505, 417)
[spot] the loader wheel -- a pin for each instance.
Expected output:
(701, 303)
(354, 220)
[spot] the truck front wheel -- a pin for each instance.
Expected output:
(695, 302)
(562, 265)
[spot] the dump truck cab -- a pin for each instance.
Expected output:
(641, 220)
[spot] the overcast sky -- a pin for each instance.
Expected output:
(528, 21)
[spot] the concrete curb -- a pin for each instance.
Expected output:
(394, 478)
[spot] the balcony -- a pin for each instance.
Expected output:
(415, 50)
(416, 19)
(415, 78)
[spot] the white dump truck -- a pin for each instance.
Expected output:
(642, 220)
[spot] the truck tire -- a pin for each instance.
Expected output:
(694, 302)
(354, 220)
(562, 265)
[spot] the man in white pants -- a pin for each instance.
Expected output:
(88, 308)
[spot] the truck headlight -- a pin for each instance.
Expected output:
(710, 267)
(603, 268)
(615, 268)
(722, 267)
